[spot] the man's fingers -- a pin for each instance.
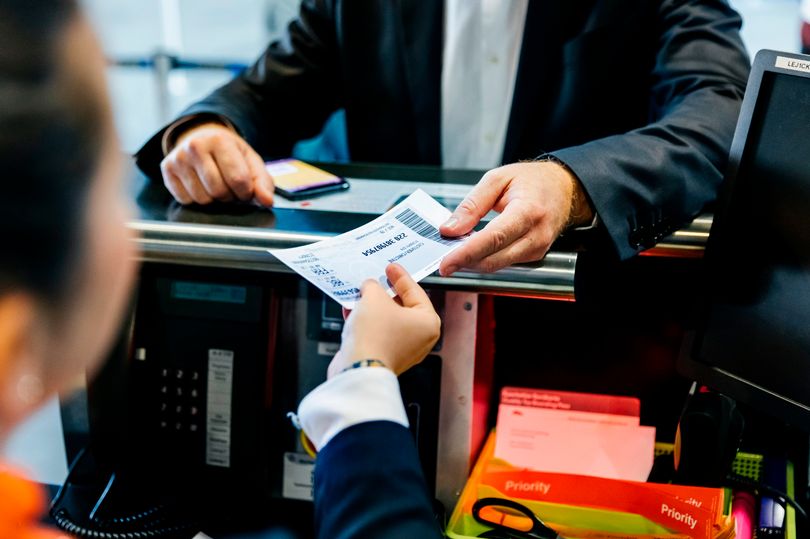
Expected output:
(180, 165)
(212, 179)
(408, 290)
(213, 163)
(525, 249)
(499, 234)
(234, 168)
(263, 187)
(194, 186)
(476, 204)
(175, 187)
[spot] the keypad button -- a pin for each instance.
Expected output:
(179, 391)
(164, 389)
(179, 374)
(178, 409)
(163, 424)
(164, 372)
(163, 406)
(193, 427)
(193, 410)
(178, 426)
(195, 375)
(194, 393)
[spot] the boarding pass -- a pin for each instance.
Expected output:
(407, 234)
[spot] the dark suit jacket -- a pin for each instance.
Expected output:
(638, 97)
(369, 484)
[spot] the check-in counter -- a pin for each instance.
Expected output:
(209, 287)
(238, 238)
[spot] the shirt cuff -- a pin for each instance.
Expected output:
(593, 224)
(349, 398)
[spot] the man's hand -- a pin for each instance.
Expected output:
(211, 162)
(400, 332)
(536, 202)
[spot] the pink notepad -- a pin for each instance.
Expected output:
(610, 445)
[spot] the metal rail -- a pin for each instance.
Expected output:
(246, 248)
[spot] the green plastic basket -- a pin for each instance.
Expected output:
(462, 526)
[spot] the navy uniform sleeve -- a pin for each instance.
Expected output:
(368, 485)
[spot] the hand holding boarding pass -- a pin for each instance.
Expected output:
(407, 234)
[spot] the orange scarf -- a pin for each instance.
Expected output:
(22, 504)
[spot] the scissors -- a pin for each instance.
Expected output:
(510, 520)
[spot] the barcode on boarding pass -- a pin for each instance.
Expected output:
(413, 221)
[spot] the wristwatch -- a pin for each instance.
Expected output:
(365, 363)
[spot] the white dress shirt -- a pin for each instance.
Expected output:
(349, 398)
(482, 43)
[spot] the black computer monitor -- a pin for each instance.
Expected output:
(753, 341)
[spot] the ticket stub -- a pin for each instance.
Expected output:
(407, 234)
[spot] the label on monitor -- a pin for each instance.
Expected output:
(218, 418)
(792, 63)
(299, 476)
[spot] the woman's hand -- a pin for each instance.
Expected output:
(399, 332)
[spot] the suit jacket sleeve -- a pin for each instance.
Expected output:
(286, 96)
(368, 485)
(645, 183)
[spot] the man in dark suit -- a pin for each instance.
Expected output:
(630, 105)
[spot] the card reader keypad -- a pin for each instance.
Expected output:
(180, 402)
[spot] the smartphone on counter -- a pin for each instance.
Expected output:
(296, 180)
